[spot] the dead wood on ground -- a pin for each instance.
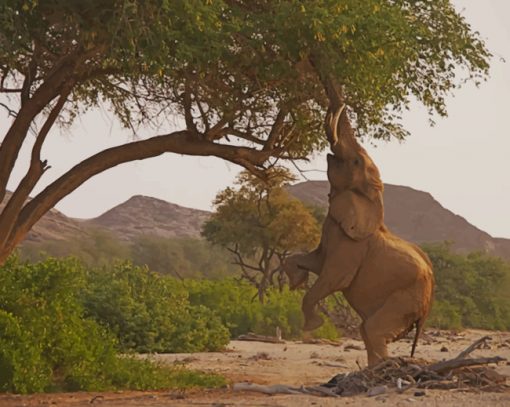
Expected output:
(259, 338)
(402, 373)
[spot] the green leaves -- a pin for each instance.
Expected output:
(261, 215)
(150, 313)
(61, 327)
(471, 290)
(243, 60)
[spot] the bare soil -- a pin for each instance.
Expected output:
(296, 363)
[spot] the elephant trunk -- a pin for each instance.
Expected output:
(337, 125)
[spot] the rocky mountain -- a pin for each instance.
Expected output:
(418, 217)
(412, 214)
(53, 226)
(142, 215)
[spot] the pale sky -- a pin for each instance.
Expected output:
(464, 161)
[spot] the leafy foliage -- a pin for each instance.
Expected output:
(150, 313)
(471, 290)
(248, 55)
(47, 343)
(261, 224)
(178, 257)
(243, 80)
(182, 258)
(235, 302)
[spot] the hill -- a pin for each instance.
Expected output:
(142, 215)
(53, 226)
(412, 214)
(418, 217)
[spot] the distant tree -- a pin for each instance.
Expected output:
(243, 80)
(260, 223)
(181, 258)
(471, 290)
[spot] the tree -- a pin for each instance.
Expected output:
(244, 79)
(261, 224)
(472, 289)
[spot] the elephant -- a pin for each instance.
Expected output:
(388, 281)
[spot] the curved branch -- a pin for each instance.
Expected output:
(182, 142)
(9, 215)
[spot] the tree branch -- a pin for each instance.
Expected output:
(276, 129)
(182, 142)
(9, 215)
(7, 90)
(15, 136)
(188, 113)
(29, 80)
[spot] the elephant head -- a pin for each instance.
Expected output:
(355, 202)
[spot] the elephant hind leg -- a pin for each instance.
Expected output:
(381, 328)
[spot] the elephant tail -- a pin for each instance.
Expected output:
(418, 324)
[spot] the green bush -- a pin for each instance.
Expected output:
(237, 304)
(471, 290)
(47, 343)
(445, 315)
(149, 312)
(176, 257)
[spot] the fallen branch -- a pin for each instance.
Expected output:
(284, 389)
(259, 338)
(449, 365)
(314, 341)
(473, 347)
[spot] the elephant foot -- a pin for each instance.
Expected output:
(313, 322)
(297, 278)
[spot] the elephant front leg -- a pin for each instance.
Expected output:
(297, 268)
(339, 268)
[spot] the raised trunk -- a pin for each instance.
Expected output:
(337, 125)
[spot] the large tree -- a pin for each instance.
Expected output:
(244, 78)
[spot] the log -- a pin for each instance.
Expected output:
(475, 345)
(315, 341)
(448, 365)
(274, 389)
(259, 338)
(284, 389)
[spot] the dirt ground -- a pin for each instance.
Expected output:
(296, 363)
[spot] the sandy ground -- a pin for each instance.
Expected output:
(295, 363)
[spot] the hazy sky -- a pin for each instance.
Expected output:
(464, 161)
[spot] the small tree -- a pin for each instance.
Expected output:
(260, 223)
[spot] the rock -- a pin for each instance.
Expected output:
(376, 391)
(420, 393)
(444, 349)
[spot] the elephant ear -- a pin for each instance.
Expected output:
(358, 215)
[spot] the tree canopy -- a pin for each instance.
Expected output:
(261, 224)
(243, 80)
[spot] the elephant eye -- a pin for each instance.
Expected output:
(356, 161)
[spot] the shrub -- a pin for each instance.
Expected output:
(149, 312)
(237, 304)
(470, 289)
(47, 343)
